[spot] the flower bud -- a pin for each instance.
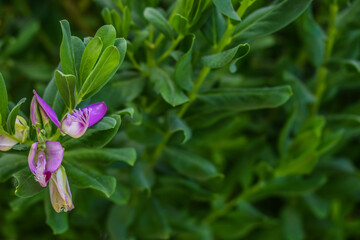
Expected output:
(6, 143)
(60, 193)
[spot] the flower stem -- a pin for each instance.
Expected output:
(171, 48)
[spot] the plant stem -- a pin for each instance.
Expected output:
(172, 47)
(225, 40)
(322, 71)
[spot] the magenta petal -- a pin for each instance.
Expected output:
(31, 157)
(48, 110)
(97, 112)
(55, 153)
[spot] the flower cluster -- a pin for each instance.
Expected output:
(45, 156)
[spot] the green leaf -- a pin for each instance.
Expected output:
(58, 222)
(119, 220)
(66, 84)
(84, 177)
(183, 68)
(269, 19)
(245, 99)
(10, 164)
(79, 48)
(12, 116)
(121, 45)
(292, 224)
(103, 69)
(118, 93)
(143, 177)
(121, 196)
(97, 136)
(179, 23)
(3, 101)
(152, 222)
(222, 59)
(159, 22)
(66, 50)
(164, 85)
(190, 164)
(126, 23)
(226, 8)
(178, 125)
(314, 38)
(301, 165)
(107, 34)
(26, 185)
(105, 155)
(288, 186)
(89, 58)
(247, 218)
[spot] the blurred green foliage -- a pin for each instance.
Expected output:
(245, 116)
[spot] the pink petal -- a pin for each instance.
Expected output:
(75, 125)
(31, 157)
(97, 112)
(48, 110)
(55, 153)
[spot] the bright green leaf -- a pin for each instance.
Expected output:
(67, 58)
(66, 84)
(159, 21)
(89, 58)
(226, 8)
(12, 116)
(222, 59)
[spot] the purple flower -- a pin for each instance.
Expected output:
(60, 193)
(45, 110)
(6, 143)
(21, 133)
(45, 159)
(75, 124)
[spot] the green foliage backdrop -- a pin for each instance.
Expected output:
(228, 119)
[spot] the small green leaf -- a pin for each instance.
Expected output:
(106, 14)
(121, 196)
(179, 23)
(26, 185)
(119, 220)
(12, 116)
(10, 164)
(66, 50)
(66, 86)
(164, 85)
(143, 177)
(292, 224)
(105, 155)
(152, 221)
(269, 19)
(58, 222)
(191, 165)
(178, 125)
(84, 177)
(107, 34)
(102, 71)
(89, 58)
(79, 48)
(222, 59)
(226, 8)
(126, 23)
(159, 21)
(183, 68)
(245, 99)
(3, 101)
